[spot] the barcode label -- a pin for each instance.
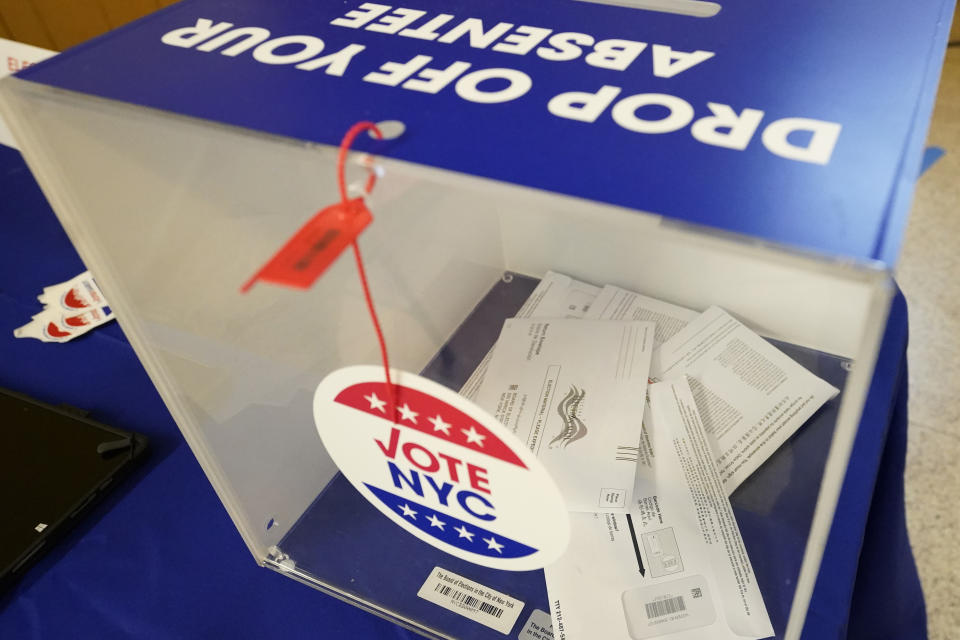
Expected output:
(659, 608)
(471, 600)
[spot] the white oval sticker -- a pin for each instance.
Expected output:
(446, 471)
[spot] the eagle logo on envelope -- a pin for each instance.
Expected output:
(573, 427)
(446, 471)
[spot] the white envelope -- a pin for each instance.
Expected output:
(559, 296)
(573, 391)
(670, 567)
(751, 396)
(555, 296)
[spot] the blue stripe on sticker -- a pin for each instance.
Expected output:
(453, 531)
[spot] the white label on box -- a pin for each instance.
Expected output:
(538, 626)
(472, 600)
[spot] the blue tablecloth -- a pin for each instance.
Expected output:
(161, 559)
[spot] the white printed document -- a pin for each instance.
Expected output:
(672, 566)
(751, 396)
(559, 296)
(573, 390)
(556, 296)
(614, 303)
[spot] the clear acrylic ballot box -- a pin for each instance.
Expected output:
(616, 145)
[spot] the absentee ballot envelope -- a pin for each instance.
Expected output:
(669, 567)
(751, 396)
(573, 391)
(555, 296)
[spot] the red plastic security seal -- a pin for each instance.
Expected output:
(319, 242)
(315, 246)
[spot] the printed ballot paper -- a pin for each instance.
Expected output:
(751, 396)
(614, 303)
(556, 296)
(573, 390)
(674, 565)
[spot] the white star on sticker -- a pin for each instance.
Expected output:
(440, 425)
(436, 522)
(462, 530)
(375, 402)
(493, 544)
(407, 511)
(408, 414)
(473, 436)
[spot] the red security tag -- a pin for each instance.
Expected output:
(315, 246)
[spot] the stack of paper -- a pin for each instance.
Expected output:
(648, 415)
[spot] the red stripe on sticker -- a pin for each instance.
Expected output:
(74, 300)
(76, 321)
(422, 412)
(55, 332)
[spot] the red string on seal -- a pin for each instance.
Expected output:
(345, 145)
(318, 243)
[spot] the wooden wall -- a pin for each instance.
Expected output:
(60, 24)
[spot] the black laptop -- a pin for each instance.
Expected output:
(55, 464)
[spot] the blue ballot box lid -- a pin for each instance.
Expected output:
(796, 122)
